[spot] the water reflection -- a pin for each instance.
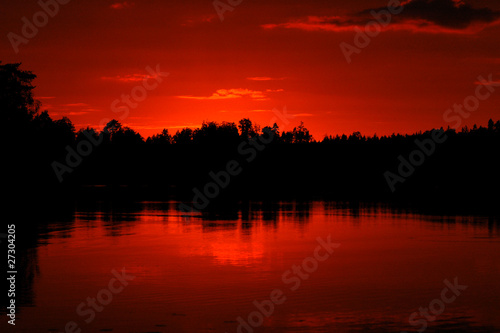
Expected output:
(200, 273)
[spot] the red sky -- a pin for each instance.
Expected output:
(263, 55)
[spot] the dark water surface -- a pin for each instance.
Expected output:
(210, 273)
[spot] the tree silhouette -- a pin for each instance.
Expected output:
(183, 136)
(18, 107)
(491, 125)
(274, 131)
(20, 114)
(65, 129)
(301, 134)
(355, 137)
(36, 142)
(84, 134)
(247, 129)
(111, 128)
(127, 136)
(116, 133)
(163, 138)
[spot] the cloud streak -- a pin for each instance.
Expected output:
(231, 94)
(263, 78)
(127, 78)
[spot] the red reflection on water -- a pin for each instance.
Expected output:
(199, 275)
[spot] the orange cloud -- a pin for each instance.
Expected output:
(231, 94)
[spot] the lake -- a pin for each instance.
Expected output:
(310, 266)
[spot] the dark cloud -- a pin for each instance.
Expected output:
(431, 16)
(445, 13)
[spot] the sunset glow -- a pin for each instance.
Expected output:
(262, 56)
(250, 166)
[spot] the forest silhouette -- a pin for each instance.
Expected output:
(47, 158)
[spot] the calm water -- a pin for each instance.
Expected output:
(201, 274)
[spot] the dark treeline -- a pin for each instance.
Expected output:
(46, 157)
